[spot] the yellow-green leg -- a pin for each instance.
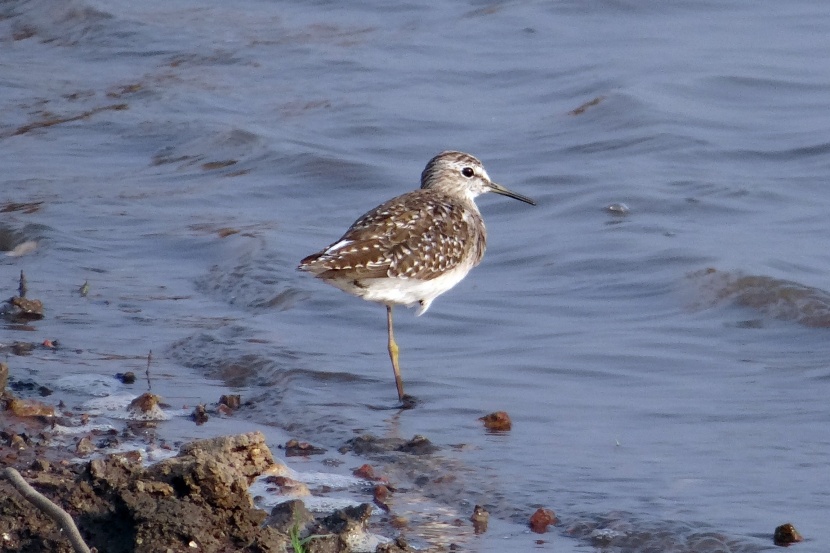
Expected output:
(393, 354)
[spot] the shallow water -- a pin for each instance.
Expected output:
(642, 400)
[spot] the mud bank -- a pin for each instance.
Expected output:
(195, 501)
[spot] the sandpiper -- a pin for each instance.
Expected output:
(415, 247)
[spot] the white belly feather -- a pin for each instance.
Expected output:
(403, 291)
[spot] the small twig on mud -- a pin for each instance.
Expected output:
(54, 512)
(21, 288)
(149, 360)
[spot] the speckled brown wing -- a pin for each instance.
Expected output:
(418, 235)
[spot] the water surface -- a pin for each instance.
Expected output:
(644, 403)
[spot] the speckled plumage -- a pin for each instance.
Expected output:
(412, 239)
(416, 246)
(419, 235)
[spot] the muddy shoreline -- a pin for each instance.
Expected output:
(196, 500)
(109, 463)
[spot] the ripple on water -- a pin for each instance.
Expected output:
(773, 297)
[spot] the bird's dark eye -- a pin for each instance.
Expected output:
(468, 172)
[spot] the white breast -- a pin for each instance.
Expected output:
(403, 291)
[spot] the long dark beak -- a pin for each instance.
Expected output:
(499, 189)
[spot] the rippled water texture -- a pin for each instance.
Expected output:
(666, 369)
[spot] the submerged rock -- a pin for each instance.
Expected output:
(786, 534)
(295, 448)
(4, 376)
(418, 445)
(368, 444)
(345, 530)
(290, 516)
(498, 421)
(146, 406)
(232, 401)
(480, 518)
(199, 414)
(126, 378)
(29, 408)
(398, 546)
(541, 519)
(19, 309)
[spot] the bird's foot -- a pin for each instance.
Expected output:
(408, 401)
(404, 403)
